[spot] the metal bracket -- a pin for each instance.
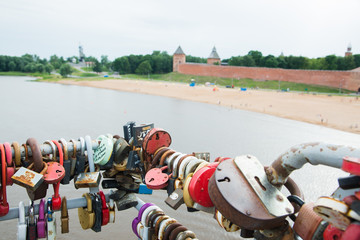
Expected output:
(274, 201)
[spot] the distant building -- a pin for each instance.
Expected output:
(178, 58)
(348, 52)
(214, 58)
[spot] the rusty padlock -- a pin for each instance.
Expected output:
(155, 139)
(240, 190)
(308, 225)
(88, 179)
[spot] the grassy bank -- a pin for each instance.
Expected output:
(183, 78)
(244, 83)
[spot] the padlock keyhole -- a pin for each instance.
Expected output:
(157, 136)
(258, 181)
(225, 179)
(152, 179)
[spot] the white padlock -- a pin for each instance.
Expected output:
(22, 227)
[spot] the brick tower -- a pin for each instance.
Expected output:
(214, 58)
(348, 52)
(178, 58)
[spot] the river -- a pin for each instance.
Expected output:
(53, 111)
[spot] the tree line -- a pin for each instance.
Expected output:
(330, 62)
(161, 62)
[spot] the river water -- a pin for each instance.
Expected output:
(53, 111)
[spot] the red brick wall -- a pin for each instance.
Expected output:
(178, 59)
(349, 80)
(213, 60)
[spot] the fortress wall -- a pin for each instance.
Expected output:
(348, 79)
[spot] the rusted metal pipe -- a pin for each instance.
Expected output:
(313, 153)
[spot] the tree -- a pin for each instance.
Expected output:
(55, 61)
(97, 67)
(330, 62)
(349, 62)
(30, 67)
(256, 55)
(121, 65)
(65, 70)
(105, 61)
(357, 60)
(144, 68)
(248, 61)
(12, 66)
(40, 68)
(48, 68)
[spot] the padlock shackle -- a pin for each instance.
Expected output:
(21, 212)
(65, 149)
(313, 153)
(36, 154)
(59, 149)
(3, 175)
(90, 153)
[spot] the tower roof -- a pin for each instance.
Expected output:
(179, 51)
(214, 54)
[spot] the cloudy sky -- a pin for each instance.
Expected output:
(311, 28)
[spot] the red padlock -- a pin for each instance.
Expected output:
(352, 232)
(351, 165)
(156, 139)
(156, 179)
(4, 205)
(56, 173)
(198, 187)
(105, 210)
(10, 170)
(332, 233)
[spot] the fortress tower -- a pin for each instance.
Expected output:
(348, 52)
(214, 58)
(178, 58)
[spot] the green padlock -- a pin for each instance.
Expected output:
(103, 152)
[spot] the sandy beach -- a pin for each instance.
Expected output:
(338, 112)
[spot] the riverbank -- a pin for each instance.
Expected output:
(338, 112)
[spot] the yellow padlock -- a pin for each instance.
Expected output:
(86, 214)
(187, 198)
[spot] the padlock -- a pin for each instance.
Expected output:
(202, 155)
(175, 199)
(103, 152)
(355, 206)
(41, 221)
(139, 133)
(175, 232)
(332, 233)
(157, 156)
(170, 228)
(86, 214)
(352, 232)
(156, 179)
(121, 150)
(4, 205)
(17, 153)
(66, 162)
(155, 139)
(128, 130)
(308, 224)
(159, 220)
(332, 211)
(126, 202)
(88, 180)
(191, 167)
(51, 221)
(132, 161)
(225, 223)
(147, 233)
(111, 209)
(187, 234)
(256, 203)
(31, 222)
(90, 156)
(198, 186)
(10, 170)
(163, 225)
(349, 182)
(73, 159)
(351, 165)
(64, 216)
(28, 178)
(97, 208)
(22, 226)
(104, 208)
(183, 166)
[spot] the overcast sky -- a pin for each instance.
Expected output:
(311, 28)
